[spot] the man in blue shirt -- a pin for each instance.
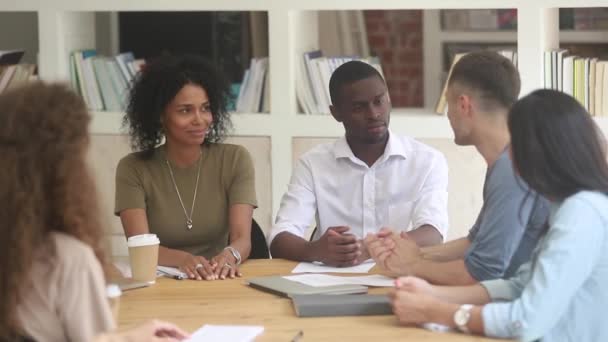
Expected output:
(482, 88)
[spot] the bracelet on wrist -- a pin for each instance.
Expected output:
(235, 253)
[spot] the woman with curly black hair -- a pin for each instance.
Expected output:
(194, 192)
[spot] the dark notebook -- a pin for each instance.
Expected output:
(341, 305)
(11, 57)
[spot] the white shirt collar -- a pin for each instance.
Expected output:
(394, 147)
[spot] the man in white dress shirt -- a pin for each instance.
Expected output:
(369, 179)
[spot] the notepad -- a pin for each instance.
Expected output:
(226, 333)
(316, 267)
(341, 305)
(317, 280)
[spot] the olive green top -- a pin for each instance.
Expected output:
(226, 178)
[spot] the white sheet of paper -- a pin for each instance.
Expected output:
(125, 268)
(226, 333)
(329, 280)
(315, 267)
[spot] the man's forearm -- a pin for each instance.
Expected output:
(426, 235)
(443, 273)
(452, 250)
(292, 247)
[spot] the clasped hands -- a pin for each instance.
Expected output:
(220, 266)
(337, 247)
(395, 253)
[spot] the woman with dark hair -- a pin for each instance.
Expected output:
(560, 294)
(195, 193)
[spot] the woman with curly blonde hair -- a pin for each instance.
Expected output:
(52, 285)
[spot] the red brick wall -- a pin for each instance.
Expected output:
(396, 38)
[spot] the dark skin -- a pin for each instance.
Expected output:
(364, 109)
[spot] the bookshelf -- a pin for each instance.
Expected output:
(67, 25)
(436, 39)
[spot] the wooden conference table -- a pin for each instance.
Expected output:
(191, 304)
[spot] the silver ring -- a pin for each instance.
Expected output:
(198, 266)
(227, 265)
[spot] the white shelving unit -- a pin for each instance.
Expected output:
(435, 38)
(66, 25)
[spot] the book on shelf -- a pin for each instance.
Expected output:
(253, 96)
(442, 102)
(15, 75)
(478, 19)
(552, 77)
(600, 103)
(603, 88)
(441, 106)
(450, 49)
(592, 80)
(314, 82)
(103, 82)
(590, 18)
(583, 78)
(313, 74)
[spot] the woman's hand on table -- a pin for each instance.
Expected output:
(197, 267)
(225, 265)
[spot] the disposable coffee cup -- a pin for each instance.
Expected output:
(143, 255)
(113, 293)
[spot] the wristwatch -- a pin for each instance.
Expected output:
(235, 254)
(462, 317)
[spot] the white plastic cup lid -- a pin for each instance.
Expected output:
(143, 240)
(113, 291)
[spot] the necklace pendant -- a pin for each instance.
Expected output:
(189, 224)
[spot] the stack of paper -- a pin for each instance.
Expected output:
(315, 267)
(318, 280)
(125, 269)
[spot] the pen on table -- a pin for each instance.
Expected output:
(173, 276)
(298, 336)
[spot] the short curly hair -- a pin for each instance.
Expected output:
(45, 184)
(156, 86)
